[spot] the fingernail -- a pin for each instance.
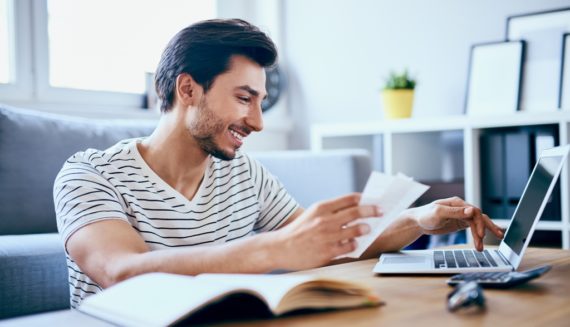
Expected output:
(467, 211)
(364, 229)
(379, 211)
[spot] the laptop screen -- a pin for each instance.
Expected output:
(531, 201)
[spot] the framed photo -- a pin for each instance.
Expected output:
(564, 95)
(494, 79)
(542, 32)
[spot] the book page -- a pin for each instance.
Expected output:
(284, 293)
(272, 287)
(155, 299)
(393, 194)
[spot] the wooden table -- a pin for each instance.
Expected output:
(421, 300)
(410, 301)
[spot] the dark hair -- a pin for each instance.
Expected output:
(204, 49)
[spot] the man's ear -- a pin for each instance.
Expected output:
(187, 90)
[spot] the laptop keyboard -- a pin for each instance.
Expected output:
(462, 258)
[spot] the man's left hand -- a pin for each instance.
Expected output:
(453, 214)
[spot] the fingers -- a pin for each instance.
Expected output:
(454, 211)
(477, 225)
(352, 232)
(453, 201)
(477, 240)
(480, 222)
(344, 241)
(334, 205)
(495, 229)
(455, 208)
(345, 216)
(343, 247)
(475, 228)
(347, 234)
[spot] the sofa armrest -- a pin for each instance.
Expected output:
(33, 274)
(315, 176)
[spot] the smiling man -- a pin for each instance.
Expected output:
(186, 200)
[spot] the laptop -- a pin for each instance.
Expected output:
(510, 252)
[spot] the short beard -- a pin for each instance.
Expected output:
(204, 128)
(209, 146)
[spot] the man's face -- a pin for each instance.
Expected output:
(230, 110)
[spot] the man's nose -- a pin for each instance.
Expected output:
(254, 119)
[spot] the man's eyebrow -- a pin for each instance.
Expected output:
(251, 91)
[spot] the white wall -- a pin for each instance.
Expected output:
(338, 52)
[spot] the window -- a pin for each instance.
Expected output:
(94, 53)
(6, 44)
(108, 45)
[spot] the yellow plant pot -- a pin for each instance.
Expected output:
(398, 103)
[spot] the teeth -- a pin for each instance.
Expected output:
(236, 135)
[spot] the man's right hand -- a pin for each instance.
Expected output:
(320, 233)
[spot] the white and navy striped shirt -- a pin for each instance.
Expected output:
(235, 199)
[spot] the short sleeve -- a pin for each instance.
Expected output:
(81, 197)
(276, 204)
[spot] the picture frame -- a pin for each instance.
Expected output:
(564, 94)
(542, 32)
(494, 78)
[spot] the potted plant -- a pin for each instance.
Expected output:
(398, 95)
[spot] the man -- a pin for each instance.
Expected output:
(185, 200)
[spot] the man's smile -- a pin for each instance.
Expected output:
(238, 135)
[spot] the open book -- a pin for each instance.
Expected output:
(160, 299)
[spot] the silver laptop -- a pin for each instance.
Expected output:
(512, 247)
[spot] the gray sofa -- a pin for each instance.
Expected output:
(33, 147)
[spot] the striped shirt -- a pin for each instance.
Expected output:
(235, 199)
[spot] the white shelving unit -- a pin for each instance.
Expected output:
(427, 149)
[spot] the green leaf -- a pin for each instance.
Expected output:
(397, 81)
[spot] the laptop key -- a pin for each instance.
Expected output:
(490, 258)
(438, 259)
(450, 259)
(460, 258)
(471, 259)
(481, 259)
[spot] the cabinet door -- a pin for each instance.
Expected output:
(492, 175)
(517, 167)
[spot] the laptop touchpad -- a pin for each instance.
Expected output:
(404, 259)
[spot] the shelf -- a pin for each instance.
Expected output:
(447, 123)
(447, 149)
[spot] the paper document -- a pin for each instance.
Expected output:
(393, 194)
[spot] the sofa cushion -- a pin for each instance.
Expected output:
(314, 176)
(33, 278)
(33, 147)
